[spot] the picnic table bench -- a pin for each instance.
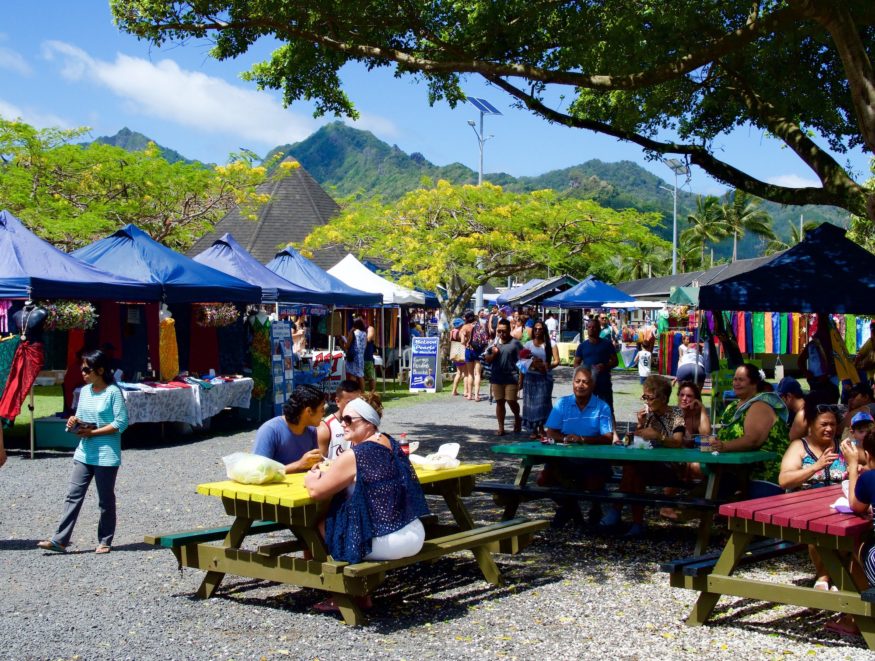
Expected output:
(534, 453)
(287, 506)
(798, 518)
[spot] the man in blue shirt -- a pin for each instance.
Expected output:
(599, 356)
(578, 418)
(290, 438)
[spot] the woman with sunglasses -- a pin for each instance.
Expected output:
(378, 519)
(101, 417)
(815, 461)
(538, 380)
(663, 426)
(755, 420)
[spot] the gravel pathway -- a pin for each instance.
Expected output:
(573, 594)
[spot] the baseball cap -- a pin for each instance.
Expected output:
(458, 322)
(861, 417)
(789, 386)
(506, 309)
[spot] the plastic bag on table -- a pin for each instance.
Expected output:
(249, 468)
(443, 459)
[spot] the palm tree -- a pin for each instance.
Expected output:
(797, 233)
(706, 225)
(741, 213)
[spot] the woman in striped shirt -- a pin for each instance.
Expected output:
(100, 419)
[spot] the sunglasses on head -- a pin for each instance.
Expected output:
(827, 408)
(648, 398)
(348, 420)
(86, 370)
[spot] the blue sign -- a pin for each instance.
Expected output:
(424, 373)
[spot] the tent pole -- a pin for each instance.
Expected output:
(32, 436)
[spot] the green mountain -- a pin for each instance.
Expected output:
(133, 141)
(349, 161)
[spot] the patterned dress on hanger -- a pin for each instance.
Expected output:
(260, 349)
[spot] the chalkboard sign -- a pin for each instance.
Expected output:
(424, 373)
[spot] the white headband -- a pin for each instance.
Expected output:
(365, 410)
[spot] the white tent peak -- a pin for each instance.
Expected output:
(355, 274)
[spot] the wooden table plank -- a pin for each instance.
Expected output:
(747, 508)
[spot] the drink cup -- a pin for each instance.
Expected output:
(704, 442)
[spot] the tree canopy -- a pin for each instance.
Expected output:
(459, 237)
(72, 194)
(799, 70)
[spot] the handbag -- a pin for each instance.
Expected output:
(457, 352)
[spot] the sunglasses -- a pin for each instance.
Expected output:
(86, 370)
(348, 420)
(828, 408)
(649, 398)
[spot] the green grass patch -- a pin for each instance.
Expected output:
(47, 400)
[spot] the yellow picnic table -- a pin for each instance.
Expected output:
(286, 505)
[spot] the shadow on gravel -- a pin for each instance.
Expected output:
(20, 545)
(412, 596)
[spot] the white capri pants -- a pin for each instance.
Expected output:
(399, 544)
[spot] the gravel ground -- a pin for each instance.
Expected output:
(572, 594)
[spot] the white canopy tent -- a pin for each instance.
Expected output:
(350, 270)
(355, 274)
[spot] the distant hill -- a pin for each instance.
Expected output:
(133, 141)
(351, 161)
(348, 161)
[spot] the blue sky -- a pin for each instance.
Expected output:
(60, 67)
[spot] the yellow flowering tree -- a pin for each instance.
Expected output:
(459, 237)
(72, 194)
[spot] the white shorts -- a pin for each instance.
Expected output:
(399, 544)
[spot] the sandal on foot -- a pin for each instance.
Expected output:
(842, 628)
(821, 585)
(326, 606)
(103, 548)
(51, 545)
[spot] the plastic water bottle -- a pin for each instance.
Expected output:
(779, 369)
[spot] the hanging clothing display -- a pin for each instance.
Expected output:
(741, 332)
(776, 332)
(851, 333)
(4, 315)
(73, 376)
(758, 325)
(260, 351)
(7, 353)
(204, 351)
(26, 365)
(168, 349)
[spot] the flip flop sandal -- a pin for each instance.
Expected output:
(842, 629)
(103, 548)
(326, 606)
(821, 585)
(51, 545)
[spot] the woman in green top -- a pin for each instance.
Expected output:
(755, 420)
(100, 419)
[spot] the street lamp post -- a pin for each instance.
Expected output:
(679, 168)
(485, 108)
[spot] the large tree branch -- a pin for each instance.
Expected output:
(681, 66)
(855, 200)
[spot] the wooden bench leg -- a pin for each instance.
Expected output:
(233, 539)
(707, 519)
(512, 502)
(735, 547)
(349, 609)
(487, 565)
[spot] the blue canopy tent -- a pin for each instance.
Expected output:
(290, 265)
(588, 293)
(130, 250)
(825, 272)
(33, 268)
(230, 257)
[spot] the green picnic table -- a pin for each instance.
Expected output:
(534, 453)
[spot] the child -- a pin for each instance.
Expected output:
(643, 358)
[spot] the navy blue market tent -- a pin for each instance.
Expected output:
(588, 293)
(228, 256)
(33, 268)
(133, 252)
(297, 269)
(825, 272)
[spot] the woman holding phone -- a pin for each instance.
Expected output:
(100, 419)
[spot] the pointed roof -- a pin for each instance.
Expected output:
(133, 252)
(297, 269)
(588, 293)
(350, 270)
(297, 205)
(228, 256)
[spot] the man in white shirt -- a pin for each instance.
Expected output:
(552, 325)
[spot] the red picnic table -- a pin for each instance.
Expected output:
(801, 517)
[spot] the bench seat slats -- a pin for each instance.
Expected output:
(535, 492)
(703, 564)
(176, 539)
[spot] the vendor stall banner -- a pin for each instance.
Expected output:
(282, 365)
(424, 373)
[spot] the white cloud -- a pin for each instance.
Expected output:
(793, 181)
(13, 61)
(189, 98)
(35, 118)
(380, 126)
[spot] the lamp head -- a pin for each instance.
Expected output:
(471, 122)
